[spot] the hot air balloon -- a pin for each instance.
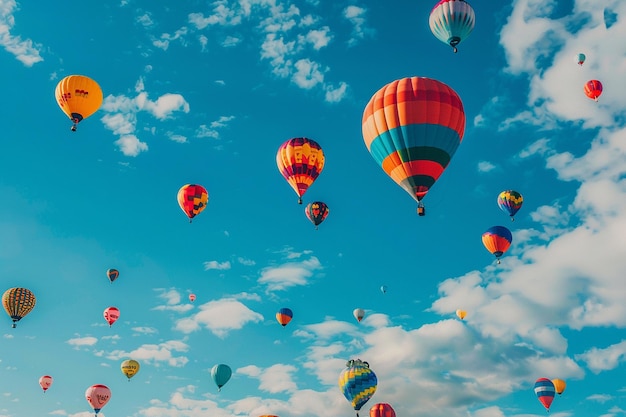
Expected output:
(383, 289)
(358, 314)
(45, 382)
(79, 97)
(111, 314)
(357, 383)
(192, 199)
(452, 21)
(300, 161)
(284, 316)
(382, 410)
(192, 297)
(580, 58)
(98, 396)
(316, 212)
(559, 385)
(412, 127)
(129, 368)
(461, 314)
(593, 89)
(112, 274)
(18, 302)
(221, 374)
(510, 202)
(544, 388)
(497, 240)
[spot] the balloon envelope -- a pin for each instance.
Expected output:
(112, 274)
(358, 314)
(111, 314)
(510, 202)
(78, 96)
(18, 302)
(284, 316)
(192, 199)
(580, 58)
(461, 314)
(45, 382)
(129, 368)
(316, 212)
(98, 396)
(412, 127)
(300, 161)
(358, 383)
(383, 289)
(497, 240)
(593, 89)
(382, 410)
(221, 374)
(559, 385)
(192, 297)
(544, 388)
(452, 21)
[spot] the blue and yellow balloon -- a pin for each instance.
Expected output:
(510, 202)
(358, 383)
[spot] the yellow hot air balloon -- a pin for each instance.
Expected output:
(461, 314)
(129, 368)
(559, 385)
(18, 302)
(79, 97)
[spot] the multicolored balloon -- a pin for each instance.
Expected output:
(18, 302)
(593, 89)
(510, 202)
(461, 314)
(382, 410)
(452, 21)
(497, 240)
(79, 97)
(316, 212)
(358, 314)
(580, 59)
(412, 127)
(559, 385)
(192, 297)
(284, 316)
(98, 396)
(358, 383)
(45, 382)
(111, 314)
(130, 367)
(221, 374)
(544, 388)
(192, 199)
(112, 274)
(300, 161)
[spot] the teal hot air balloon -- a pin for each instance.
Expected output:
(221, 374)
(357, 383)
(510, 202)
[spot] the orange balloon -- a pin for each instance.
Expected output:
(382, 410)
(593, 89)
(192, 199)
(79, 97)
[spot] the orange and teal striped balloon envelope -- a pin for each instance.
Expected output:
(497, 240)
(192, 199)
(18, 302)
(300, 161)
(412, 127)
(358, 383)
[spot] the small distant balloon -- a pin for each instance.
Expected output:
(45, 382)
(497, 240)
(593, 89)
(18, 302)
(284, 316)
(461, 314)
(192, 199)
(510, 202)
(383, 289)
(192, 297)
(580, 59)
(452, 21)
(98, 396)
(221, 374)
(358, 314)
(316, 212)
(111, 314)
(559, 385)
(112, 274)
(130, 367)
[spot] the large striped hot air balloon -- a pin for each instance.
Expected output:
(452, 21)
(497, 240)
(300, 161)
(192, 199)
(18, 302)
(412, 127)
(316, 212)
(510, 202)
(544, 388)
(358, 383)
(79, 97)
(382, 410)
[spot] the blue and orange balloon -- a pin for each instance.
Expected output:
(412, 127)
(497, 240)
(452, 21)
(545, 390)
(192, 199)
(316, 212)
(358, 383)
(300, 161)
(284, 316)
(510, 202)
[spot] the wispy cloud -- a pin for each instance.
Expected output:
(220, 266)
(290, 274)
(25, 50)
(220, 317)
(78, 342)
(356, 16)
(165, 352)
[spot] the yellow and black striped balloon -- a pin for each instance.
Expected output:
(18, 302)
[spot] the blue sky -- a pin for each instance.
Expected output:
(205, 92)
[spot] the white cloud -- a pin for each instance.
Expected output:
(82, 341)
(152, 353)
(308, 74)
(599, 360)
(130, 145)
(220, 266)
(212, 130)
(274, 379)
(25, 50)
(290, 274)
(220, 317)
(485, 166)
(356, 16)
